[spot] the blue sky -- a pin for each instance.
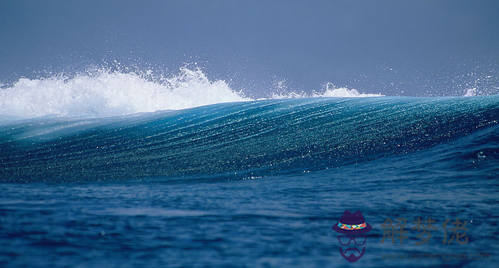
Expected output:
(394, 47)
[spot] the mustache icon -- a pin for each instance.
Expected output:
(352, 249)
(352, 257)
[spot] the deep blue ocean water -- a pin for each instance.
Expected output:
(252, 184)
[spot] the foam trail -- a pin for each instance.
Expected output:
(111, 94)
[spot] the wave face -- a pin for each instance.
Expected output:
(251, 138)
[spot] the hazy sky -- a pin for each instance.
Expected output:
(394, 47)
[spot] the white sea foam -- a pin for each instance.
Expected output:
(112, 93)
